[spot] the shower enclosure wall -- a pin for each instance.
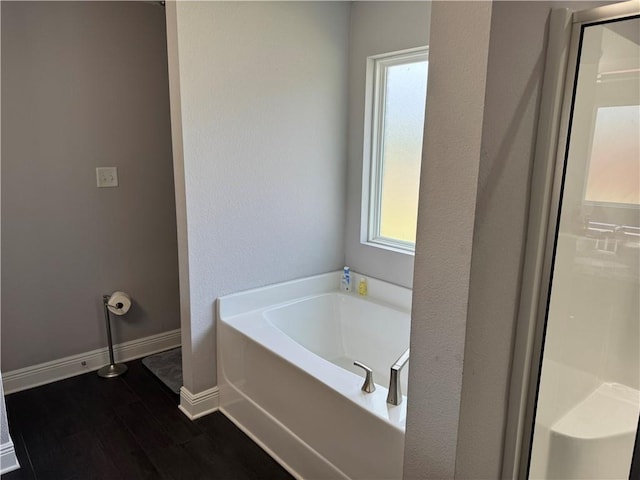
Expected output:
(587, 393)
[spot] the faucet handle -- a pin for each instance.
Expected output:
(368, 385)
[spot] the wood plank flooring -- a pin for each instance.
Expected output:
(129, 427)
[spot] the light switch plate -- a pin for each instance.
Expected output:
(107, 176)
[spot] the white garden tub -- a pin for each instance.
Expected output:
(286, 374)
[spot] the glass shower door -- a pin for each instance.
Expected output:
(588, 399)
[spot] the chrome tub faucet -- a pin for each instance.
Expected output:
(368, 386)
(395, 392)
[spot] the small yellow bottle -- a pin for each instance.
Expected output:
(362, 287)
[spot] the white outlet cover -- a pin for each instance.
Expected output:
(107, 176)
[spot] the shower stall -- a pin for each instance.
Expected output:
(582, 396)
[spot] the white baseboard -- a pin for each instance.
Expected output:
(8, 459)
(48, 372)
(199, 404)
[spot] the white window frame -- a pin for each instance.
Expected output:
(372, 170)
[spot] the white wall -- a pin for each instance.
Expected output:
(84, 84)
(376, 27)
(262, 97)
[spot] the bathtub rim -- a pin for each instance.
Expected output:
(387, 293)
(250, 321)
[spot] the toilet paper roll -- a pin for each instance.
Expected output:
(119, 303)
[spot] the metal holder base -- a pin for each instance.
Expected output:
(113, 369)
(110, 371)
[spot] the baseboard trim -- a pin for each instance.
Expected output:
(199, 404)
(43, 373)
(8, 459)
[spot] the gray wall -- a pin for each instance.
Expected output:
(459, 44)
(84, 84)
(518, 48)
(260, 93)
(4, 425)
(376, 27)
(512, 86)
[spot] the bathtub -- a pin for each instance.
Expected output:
(286, 374)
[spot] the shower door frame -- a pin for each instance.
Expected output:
(547, 180)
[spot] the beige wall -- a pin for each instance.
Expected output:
(84, 84)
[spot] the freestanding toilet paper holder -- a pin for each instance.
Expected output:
(113, 369)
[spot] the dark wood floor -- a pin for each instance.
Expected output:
(126, 428)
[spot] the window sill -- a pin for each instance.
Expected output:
(388, 247)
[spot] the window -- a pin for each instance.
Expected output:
(394, 119)
(613, 168)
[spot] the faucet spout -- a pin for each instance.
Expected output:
(394, 397)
